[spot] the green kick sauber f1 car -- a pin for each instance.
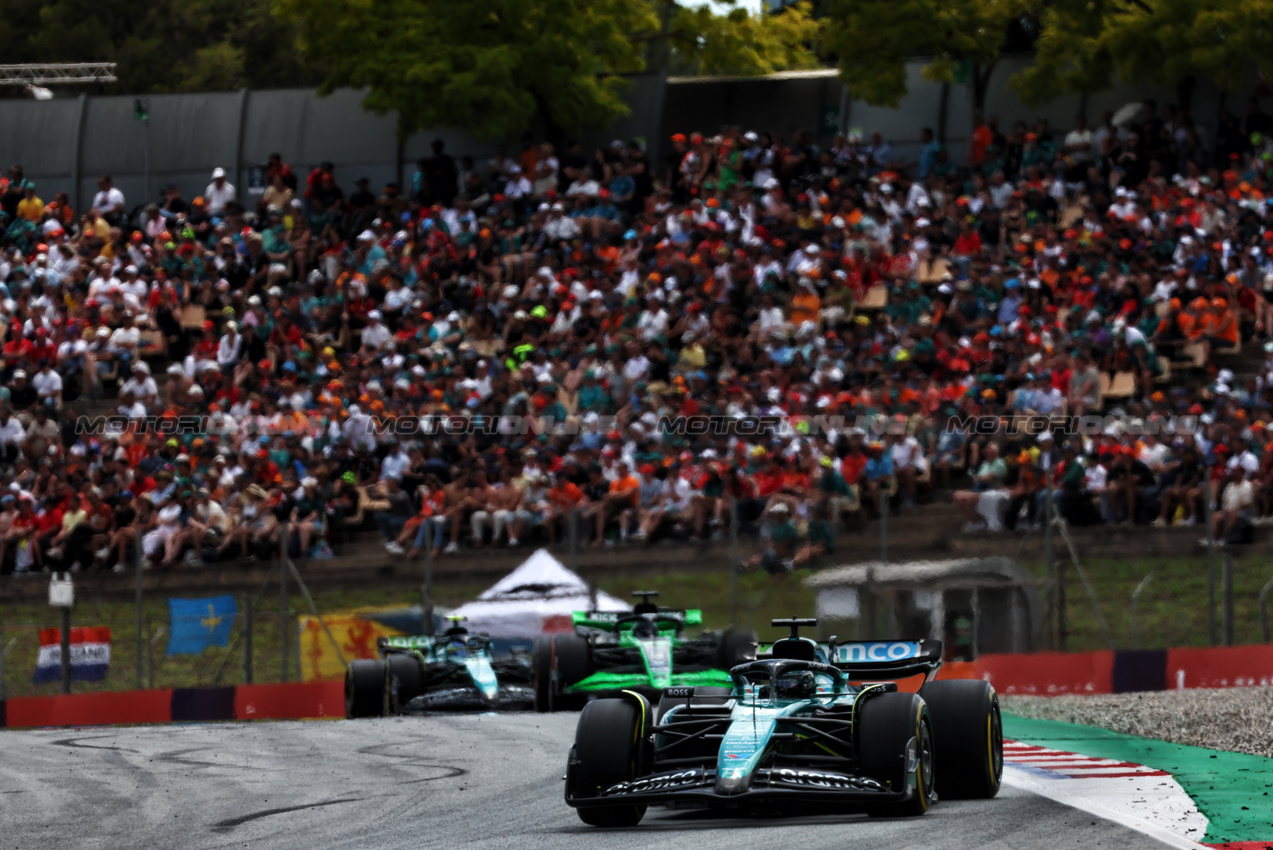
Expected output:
(453, 671)
(645, 651)
(802, 724)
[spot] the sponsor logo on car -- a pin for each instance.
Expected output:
(816, 779)
(662, 781)
(851, 653)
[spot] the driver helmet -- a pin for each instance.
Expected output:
(644, 628)
(797, 685)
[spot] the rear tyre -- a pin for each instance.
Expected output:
(542, 667)
(365, 688)
(887, 724)
(968, 737)
(572, 657)
(737, 648)
(404, 681)
(608, 750)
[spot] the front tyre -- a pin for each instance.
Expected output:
(895, 746)
(365, 688)
(968, 732)
(608, 750)
(737, 648)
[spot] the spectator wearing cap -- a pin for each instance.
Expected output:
(307, 519)
(621, 496)
(220, 192)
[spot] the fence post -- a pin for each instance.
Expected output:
(1140, 588)
(1227, 591)
(247, 639)
(883, 526)
(734, 562)
(426, 588)
(1264, 614)
(573, 521)
(66, 649)
(1211, 572)
(1060, 606)
(282, 605)
(1049, 556)
(4, 668)
(137, 564)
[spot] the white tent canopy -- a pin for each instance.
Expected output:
(536, 598)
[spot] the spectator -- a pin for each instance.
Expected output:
(219, 194)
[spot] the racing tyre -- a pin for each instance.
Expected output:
(608, 750)
(968, 737)
(542, 667)
(572, 657)
(365, 688)
(886, 726)
(404, 681)
(737, 648)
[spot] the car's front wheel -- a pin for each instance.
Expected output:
(608, 750)
(895, 746)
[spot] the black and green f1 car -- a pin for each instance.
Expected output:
(805, 723)
(453, 671)
(645, 651)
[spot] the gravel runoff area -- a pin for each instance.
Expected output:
(1235, 719)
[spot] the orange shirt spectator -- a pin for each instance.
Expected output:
(806, 306)
(565, 495)
(628, 485)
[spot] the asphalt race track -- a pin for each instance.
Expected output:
(417, 782)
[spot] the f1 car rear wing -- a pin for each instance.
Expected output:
(892, 659)
(606, 620)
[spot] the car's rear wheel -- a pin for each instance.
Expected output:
(365, 688)
(542, 667)
(887, 726)
(968, 734)
(608, 750)
(404, 681)
(737, 648)
(572, 658)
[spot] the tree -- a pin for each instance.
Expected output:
(702, 40)
(874, 39)
(491, 66)
(1084, 45)
(162, 45)
(486, 65)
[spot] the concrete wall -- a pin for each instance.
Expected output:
(70, 142)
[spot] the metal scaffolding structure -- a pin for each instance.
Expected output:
(43, 75)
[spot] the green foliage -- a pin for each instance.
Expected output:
(164, 45)
(491, 66)
(735, 41)
(874, 39)
(1084, 45)
(486, 65)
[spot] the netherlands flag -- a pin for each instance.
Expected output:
(90, 655)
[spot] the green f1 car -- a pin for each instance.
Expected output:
(802, 724)
(645, 651)
(453, 671)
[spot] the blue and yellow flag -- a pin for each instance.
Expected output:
(196, 624)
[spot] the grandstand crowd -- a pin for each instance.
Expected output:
(870, 314)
